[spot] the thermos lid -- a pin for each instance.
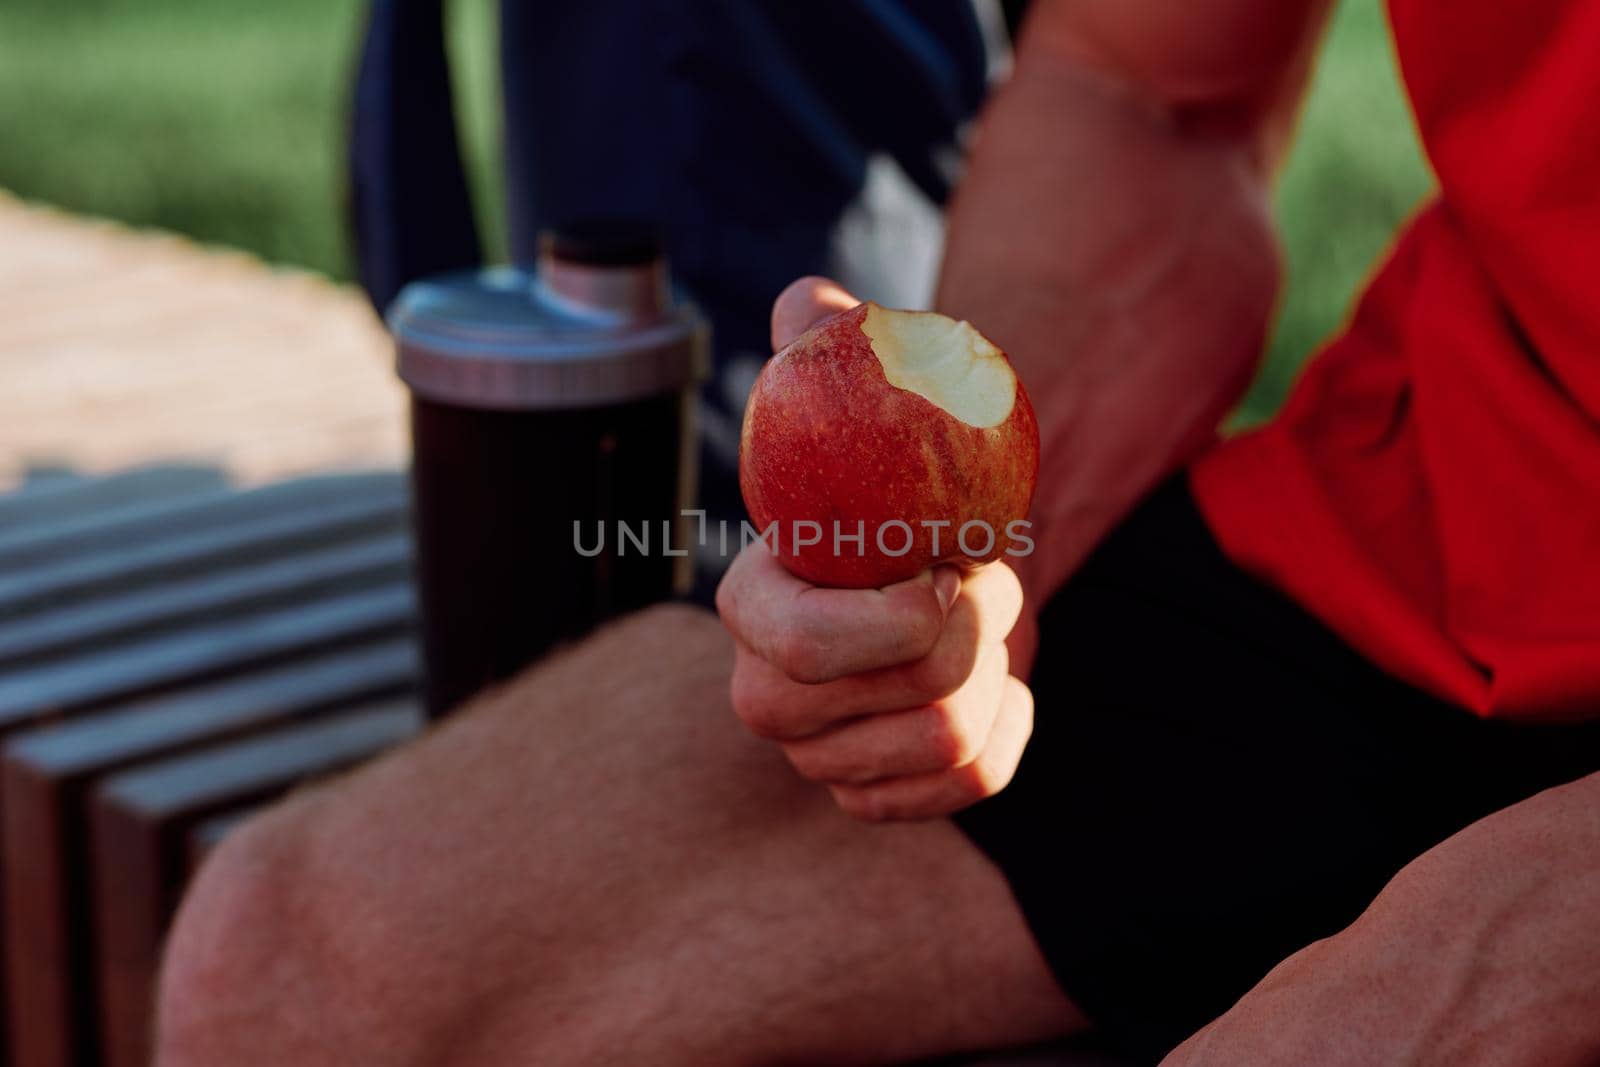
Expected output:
(595, 324)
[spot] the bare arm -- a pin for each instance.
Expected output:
(1485, 950)
(1113, 234)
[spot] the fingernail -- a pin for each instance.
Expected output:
(946, 585)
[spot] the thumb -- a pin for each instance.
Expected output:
(805, 303)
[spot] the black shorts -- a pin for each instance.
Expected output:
(1215, 780)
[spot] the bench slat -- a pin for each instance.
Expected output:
(80, 626)
(44, 784)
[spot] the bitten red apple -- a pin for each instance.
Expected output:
(907, 427)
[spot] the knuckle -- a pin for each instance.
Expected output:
(803, 763)
(811, 764)
(864, 804)
(951, 739)
(983, 778)
(972, 785)
(800, 655)
(754, 707)
(942, 672)
(726, 599)
(762, 720)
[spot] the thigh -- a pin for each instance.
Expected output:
(596, 864)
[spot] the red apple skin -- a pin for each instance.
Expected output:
(826, 437)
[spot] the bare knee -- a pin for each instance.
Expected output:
(452, 895)
(258, 970)
(220, 947)
(522, 885)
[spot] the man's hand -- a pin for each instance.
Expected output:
(901, 700)
(1486, 950)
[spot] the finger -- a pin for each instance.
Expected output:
(929, 796)
(941, 736)
(774, 705)
(816, 635)
(805, 303)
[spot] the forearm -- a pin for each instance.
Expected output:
(1120, 249)
(1503, 922)
(1484, 950)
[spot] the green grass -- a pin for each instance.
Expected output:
(1355, 172)
(226, 121)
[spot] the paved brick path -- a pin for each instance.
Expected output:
(121, 348)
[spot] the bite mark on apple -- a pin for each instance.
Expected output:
(947, 363)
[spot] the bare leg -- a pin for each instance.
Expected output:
(597, 865)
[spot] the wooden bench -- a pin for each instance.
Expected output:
(173, 653)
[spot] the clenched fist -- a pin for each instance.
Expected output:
(901, 700)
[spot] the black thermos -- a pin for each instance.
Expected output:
(547, 408)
